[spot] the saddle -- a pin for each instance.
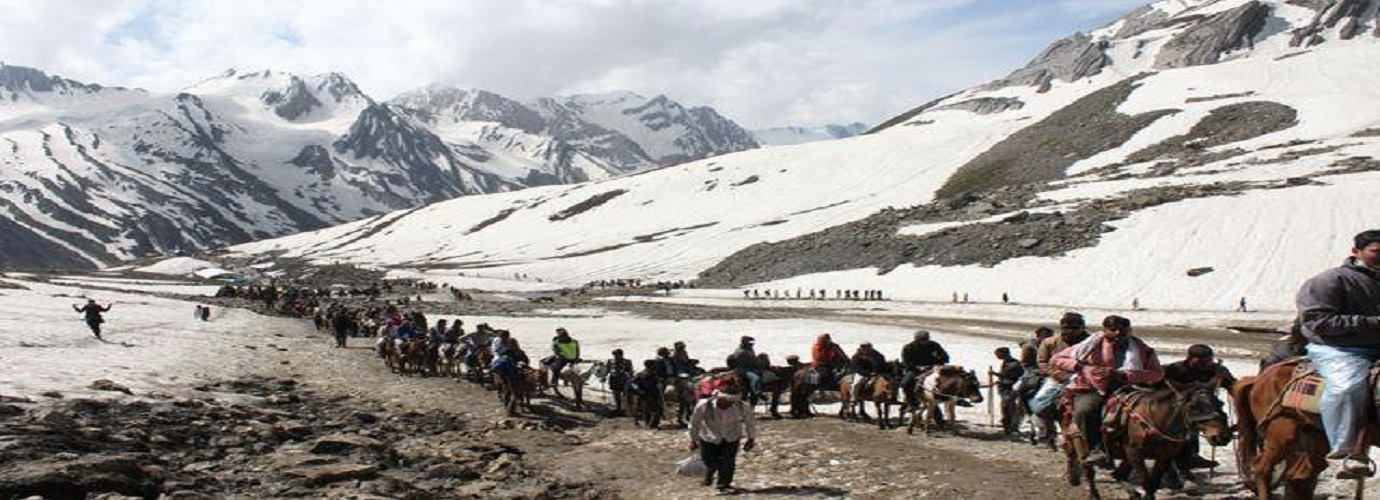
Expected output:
(1305, 388)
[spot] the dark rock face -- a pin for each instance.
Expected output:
(1044, 150)
(290, 442)
(292, 103)
(986, 105)
(1069, 59)
(1207, 39)
(1224, 125)
(1349, 14)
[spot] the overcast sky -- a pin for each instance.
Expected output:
(760, 62)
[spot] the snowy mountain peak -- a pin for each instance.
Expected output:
(24, 83)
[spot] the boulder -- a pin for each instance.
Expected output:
(336, 444)
(107, 385)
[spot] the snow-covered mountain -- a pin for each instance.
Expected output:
(1186, 155)
(580, 137)
(94, 175)
(785, 136)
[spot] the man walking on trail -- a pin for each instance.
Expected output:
(93, 315)
(1339, 312)
(717, 426)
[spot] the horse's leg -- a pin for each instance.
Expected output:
(1152, 481)
(1265, 462)
(883, 415)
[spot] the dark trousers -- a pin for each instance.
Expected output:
(1087, 413)
(95, 327)
(340, 337)
(1010, 409)
(557, 364)
(721, 458)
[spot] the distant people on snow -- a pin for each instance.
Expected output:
(93, 311)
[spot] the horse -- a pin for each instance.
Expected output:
(576, 379)
(1272, 433)
(1158, 424)
(477, 362)
(517, 392)
(415, 353)
(882, 393)
(949, 384)
(776, 381)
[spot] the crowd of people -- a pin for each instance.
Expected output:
(811, 294)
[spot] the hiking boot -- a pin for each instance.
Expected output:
(708, 480)
(1198, 462)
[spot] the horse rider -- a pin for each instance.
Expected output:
(647, 383)
(1199, 367)
(918, 357)
(565, 351)
(1289, 346)
(866, 363)
(481, 336)
(1030, 348)
(743, 361)
(1339, 313)
(511, 363)
(1009, 373)
(1100, 366)
(1072, 331)
(829, 360)
(499, 345)
(681, 362)
(620, 373)
(92, 312)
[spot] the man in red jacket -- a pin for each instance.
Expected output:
(829, 360)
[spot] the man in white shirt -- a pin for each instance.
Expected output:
(717, 426)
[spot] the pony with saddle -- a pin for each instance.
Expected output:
(516, 392)
(776, 380)
(1142, 423)
(1157, 424)
(949, 385)
(1280, 424)
(881, 390)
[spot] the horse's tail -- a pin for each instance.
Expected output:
(1248, 433)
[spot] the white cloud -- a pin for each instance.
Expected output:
(768, 62)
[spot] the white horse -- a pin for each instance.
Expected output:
(576, 378)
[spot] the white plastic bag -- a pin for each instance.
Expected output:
(691, 466)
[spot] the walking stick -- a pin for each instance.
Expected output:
(1212, 455)
(991, 415)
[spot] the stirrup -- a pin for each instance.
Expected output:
(1356, 467)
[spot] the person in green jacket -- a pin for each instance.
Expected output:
(566, 351)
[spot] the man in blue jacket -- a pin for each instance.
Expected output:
(1339, 312)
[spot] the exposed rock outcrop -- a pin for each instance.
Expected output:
(1207, 39)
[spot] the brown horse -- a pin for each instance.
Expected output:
(1272, 433)
(1158, 424)
(414, 356)
(950, 384)
(777, 380)
(517, 393)
(882, 393)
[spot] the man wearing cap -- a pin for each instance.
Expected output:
(919, 356)
(1339, 312)
(743, 361)
(1200, 367)
(717, 426)
(1099, 366)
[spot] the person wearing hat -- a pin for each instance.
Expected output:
(1072, 330)
(717, 426)
(743, 361)
(93, 311)
(1339, 313)
(1200, 367)
(917, 357)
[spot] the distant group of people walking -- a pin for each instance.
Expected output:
(812, 294)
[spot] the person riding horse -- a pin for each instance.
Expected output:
(510, 363)
(866, 364)
(829, 360)
(743, 361)
(681, 362)
(917, 358)
(1339, 312)
(1099, 367)
(1199, 367)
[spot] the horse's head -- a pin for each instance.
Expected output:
(1203, 410)
(599, 370)
(954, 381)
